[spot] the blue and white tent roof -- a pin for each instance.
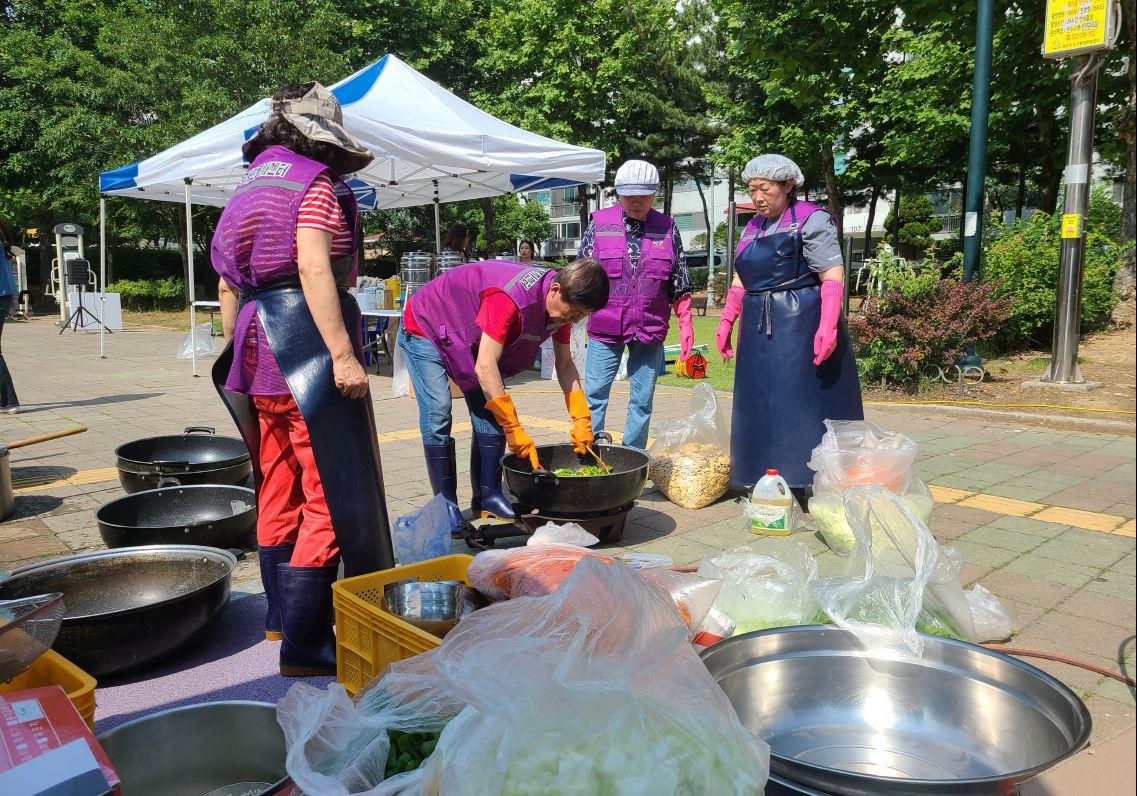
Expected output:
(424, 138)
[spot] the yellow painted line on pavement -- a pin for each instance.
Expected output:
(1090, 520)
(1002, 505)
(946, 494)
(1128, 529)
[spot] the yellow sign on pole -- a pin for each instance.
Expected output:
(1075, 27)
(1071, 225)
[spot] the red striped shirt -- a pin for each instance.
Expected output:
(320, 209)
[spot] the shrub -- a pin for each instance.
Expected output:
(924, 322)
(720, 287)
(698, 276)
(1023, 258)
(150, 294)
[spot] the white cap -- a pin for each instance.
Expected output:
(637, 178)
(772, 167)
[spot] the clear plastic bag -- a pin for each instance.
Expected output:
(425, 533)
(590, 689)
(857, 453)
(690, 459)
(555, 533)
(202, 338)
(400, 377)
(992, 622)
(765, 584)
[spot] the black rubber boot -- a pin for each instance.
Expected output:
(309, 645)
(485, 475)
(442, 470)
(270, 556)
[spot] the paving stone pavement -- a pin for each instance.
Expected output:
(1044, 517)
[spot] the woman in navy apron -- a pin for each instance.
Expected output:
(795, 366)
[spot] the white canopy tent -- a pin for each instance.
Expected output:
(430, 147)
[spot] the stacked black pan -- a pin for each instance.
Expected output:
(190, 488)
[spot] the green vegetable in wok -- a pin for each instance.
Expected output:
(577, 472)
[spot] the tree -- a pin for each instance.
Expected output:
(913, 229)
(516, 221)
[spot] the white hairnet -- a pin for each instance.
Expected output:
(772, 167)
(637, 178)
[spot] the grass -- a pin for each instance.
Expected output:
(719, 374)
(178, 320)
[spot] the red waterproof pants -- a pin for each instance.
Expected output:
(290, 504)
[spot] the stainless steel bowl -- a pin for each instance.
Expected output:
(434, 606)
(214, 747)
(961, 719)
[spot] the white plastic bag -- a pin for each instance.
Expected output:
(992, 622)
(568, 533)
(590, 689)
(425, 533)
(201, 338)
(765, 584)
(856, 453)
(690, 459)
(400, 378)
(622, 370)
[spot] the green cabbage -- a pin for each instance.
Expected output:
(828, 511)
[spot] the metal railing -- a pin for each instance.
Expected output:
(558, 246)
(563, 210)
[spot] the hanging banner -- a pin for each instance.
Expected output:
(1076, 27)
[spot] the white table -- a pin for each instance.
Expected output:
(194, 305)
(380, 345)
(94, 304)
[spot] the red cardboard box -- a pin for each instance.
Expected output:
(46, 747)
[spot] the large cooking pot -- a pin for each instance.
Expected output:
(840, 719)
(215, 516)
(131, 607)
(225, 747)
(197, 456)
(550, 494)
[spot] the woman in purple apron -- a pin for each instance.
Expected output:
(288, 245)
(795, 365)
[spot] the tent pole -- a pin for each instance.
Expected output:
(190, 286)
(437, 223)
(102, 277)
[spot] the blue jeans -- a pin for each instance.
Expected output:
(432, 392)
(600, 367)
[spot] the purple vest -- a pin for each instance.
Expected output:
(446, 309)
(255, 246)
(789, 222)
(638, 306)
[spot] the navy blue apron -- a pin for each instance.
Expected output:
(351, 474)
(780, 396)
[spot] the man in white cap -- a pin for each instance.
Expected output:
(642, 253)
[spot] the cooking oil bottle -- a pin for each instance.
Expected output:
(771, 506)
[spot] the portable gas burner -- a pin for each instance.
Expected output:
(607, 526)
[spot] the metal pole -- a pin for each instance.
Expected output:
(731, 228)
(191, 287)
(976, 156)
(848, 265)
(437, 222)
(711, 242)
(61, 283)
(102, 277)
(1067, 321)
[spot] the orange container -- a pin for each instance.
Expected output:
(368, 638)
(51, 668)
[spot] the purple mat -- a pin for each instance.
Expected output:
(233, 662)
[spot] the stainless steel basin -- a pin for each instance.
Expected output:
(961, 719)
(211, 748)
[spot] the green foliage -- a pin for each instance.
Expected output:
(1023, 256)
(720, 287)
(514, 221)
(699, 241)
(916, 224)
(698, 277)
(150, 294)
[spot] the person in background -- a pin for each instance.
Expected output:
(643, 255)
(458, 240)
(795, 366)
(527, 252)
(287, 247)
(9, 402)
(478, 325)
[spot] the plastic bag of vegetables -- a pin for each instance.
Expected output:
(857, 453)
(590, 689)
(690, 459)
(765, 584)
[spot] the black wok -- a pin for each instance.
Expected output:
(215, 516)
(197, 456)
(544, 491)
(129, 608)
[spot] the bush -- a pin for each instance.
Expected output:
(1023, 258)
(924, 321)
(698, 276)
(150, 294)
(720, 288)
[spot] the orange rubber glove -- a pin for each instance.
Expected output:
(516, 437)
(581, 433)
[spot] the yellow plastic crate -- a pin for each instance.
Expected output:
(51, 668)
(368, 638)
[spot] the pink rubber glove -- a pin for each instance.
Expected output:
(686, 328)
(730, 311)
(825, 340)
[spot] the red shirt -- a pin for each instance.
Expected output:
(320, 209)
(497, 316)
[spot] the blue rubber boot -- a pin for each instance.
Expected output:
(442, 470)
(309, 645)
(485, 475)
(271, 556)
